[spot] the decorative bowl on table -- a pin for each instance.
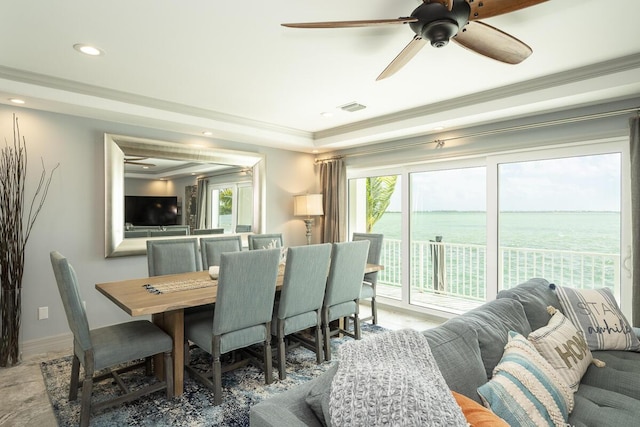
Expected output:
(213, 271)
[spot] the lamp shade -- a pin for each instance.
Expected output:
(307, 205)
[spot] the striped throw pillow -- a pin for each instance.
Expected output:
(525, 390)
(595, 312)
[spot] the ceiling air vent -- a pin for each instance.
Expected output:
(352, 106)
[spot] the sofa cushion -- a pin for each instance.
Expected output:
(596, 313)
(564, 347)
(492, 323)
(476, 414)
(525, 390)
(596, 407)
(621, 373)
(451, 350)
(535, 295)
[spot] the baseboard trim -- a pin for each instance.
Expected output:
(45, 345)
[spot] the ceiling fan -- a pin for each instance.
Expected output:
(137, 161)
(439, 21)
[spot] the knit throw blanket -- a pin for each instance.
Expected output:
(391, 379)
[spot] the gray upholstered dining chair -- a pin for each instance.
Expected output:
(243, 228)
(301, 297)
(241, 317)
(108, 347)
(368, 290)
(265, 241)
(173, 256)
(212, 247)
(342, 295)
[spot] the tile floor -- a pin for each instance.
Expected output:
(25, 402)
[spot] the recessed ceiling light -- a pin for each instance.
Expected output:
(314, 151)
(207, 133)
(438, 128)
(88, 49)
(326, 114)
(17, 100)
(145, 167)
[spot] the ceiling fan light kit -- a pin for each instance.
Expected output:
(440, 21)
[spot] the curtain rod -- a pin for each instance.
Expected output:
(441, 141)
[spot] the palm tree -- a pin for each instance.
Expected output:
(226, 200)
(379, 192)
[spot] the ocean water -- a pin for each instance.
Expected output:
(593, 232)
(571, 231)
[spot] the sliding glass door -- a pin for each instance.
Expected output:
(458, 231)
(448, 238)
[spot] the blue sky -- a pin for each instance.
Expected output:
(587, 183)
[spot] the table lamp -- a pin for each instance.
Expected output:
(308, 205)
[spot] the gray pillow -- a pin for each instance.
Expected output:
(492, 322)
(318, 396)
(458, 358)
(535, 295)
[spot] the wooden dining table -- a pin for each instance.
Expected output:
(139, 297)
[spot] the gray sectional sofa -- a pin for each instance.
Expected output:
(468, 347)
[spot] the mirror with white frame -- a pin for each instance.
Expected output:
(119, 147)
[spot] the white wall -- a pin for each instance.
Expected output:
(72, 220)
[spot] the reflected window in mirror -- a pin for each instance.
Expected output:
(226, 204)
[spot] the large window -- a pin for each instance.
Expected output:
(375, 207)
(566, 225)
(470, 227)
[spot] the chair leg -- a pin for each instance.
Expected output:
(148, 371)
(356, 325)
(374, 310)
(75, 377)
(85, 403)
(319, 350)
(282, 371)
(217, 380)
(268, 364)
(325, 325)
(168, 373)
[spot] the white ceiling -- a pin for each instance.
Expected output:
(230, 68)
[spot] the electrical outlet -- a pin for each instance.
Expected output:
(43, 313)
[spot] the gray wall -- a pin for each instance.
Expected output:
(72, 220)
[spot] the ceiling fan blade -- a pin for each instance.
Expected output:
(488, 8)
(493, 43)
(349, 24)
(447, 3)
(403, 57)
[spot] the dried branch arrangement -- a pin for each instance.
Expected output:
(15, 230)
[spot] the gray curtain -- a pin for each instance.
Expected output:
(333, 181)
(634, 144)
(201, 213)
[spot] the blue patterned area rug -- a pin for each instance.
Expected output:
(242, 389)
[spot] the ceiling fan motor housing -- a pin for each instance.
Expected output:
(437, 24)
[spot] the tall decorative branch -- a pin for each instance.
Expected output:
(15, 230)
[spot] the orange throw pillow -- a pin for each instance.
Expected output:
(476, 414)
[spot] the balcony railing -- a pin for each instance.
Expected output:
(458, 270)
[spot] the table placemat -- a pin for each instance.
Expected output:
(179, 285)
